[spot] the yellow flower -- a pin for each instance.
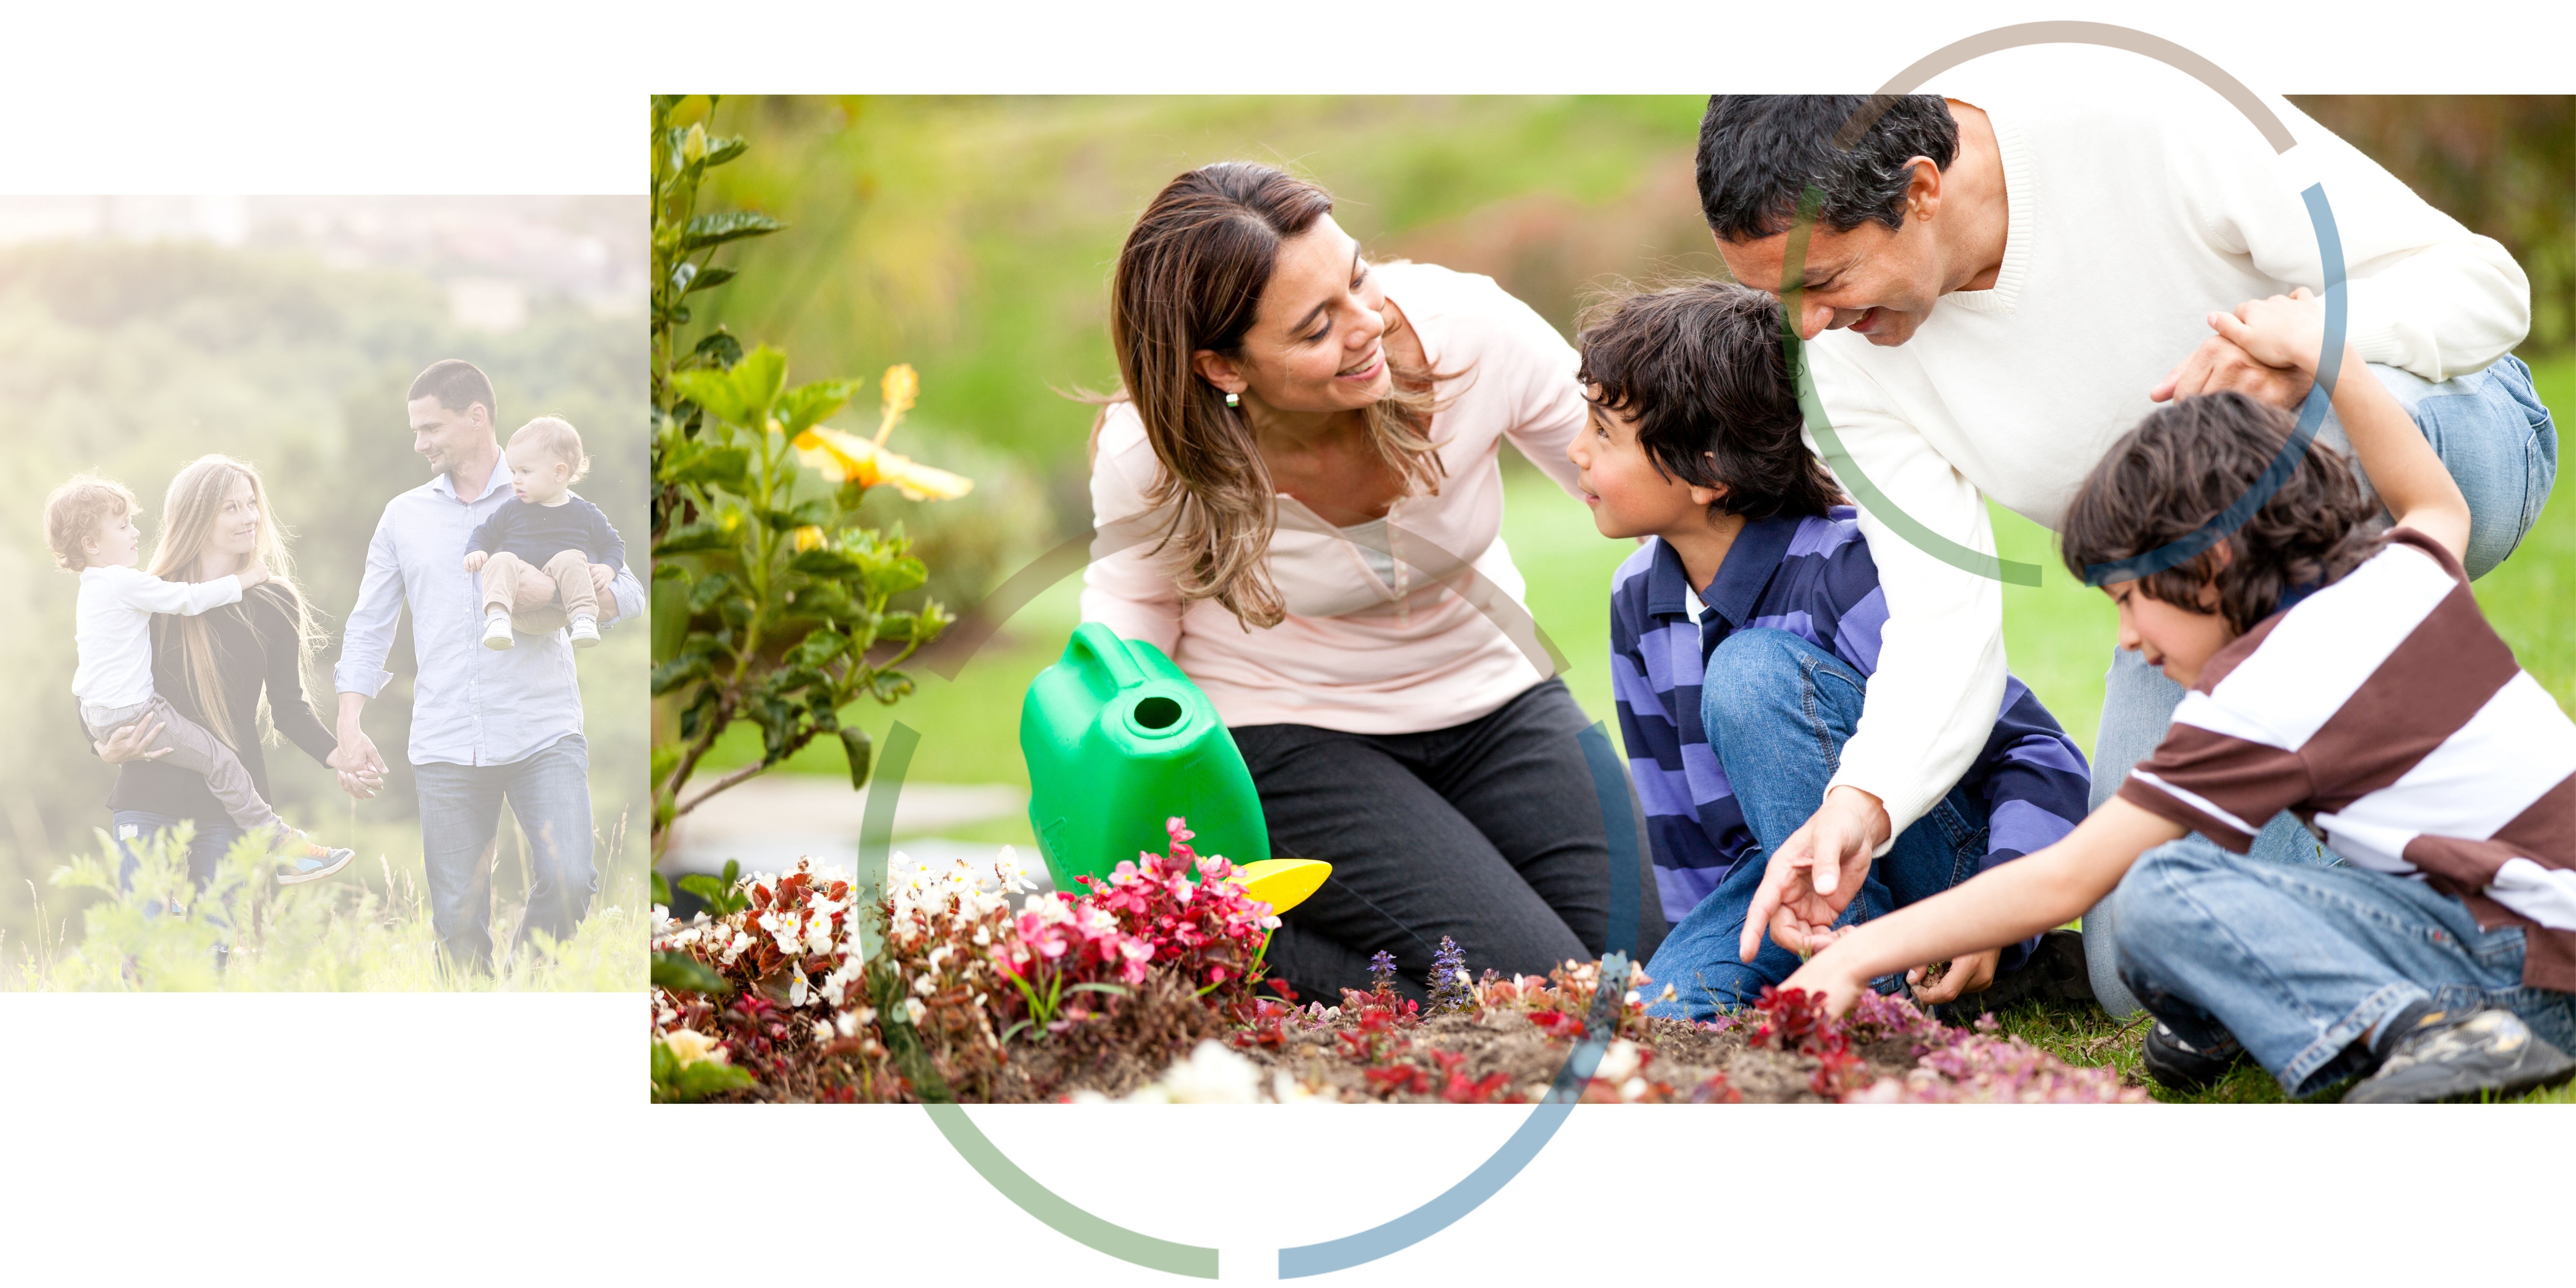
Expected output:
(901, 387)
(692, 1046)
(848, 458)
(808, 537)
(693, 147)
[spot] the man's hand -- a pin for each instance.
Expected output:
(362, 770)
(1969, 974)
(2219, 364)
(1815, 873)
(475, 559)
(129, 742)
(602, 578)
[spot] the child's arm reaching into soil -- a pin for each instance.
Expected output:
(2289, 331)
(2010, 903)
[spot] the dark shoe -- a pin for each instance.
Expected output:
(2054, 972)
(2459, 1054)
(2177, 1065)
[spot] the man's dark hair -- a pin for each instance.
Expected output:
(2184, 465)
(457, 385)
(1701, 370)
(1758, 153)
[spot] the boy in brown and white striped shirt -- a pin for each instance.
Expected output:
(2340, 673)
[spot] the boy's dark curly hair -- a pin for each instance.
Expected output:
(1701, 371)
(2186, 463)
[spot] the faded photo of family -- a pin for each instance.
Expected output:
(206, 676)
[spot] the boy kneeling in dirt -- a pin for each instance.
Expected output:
(1734, 715)
(2340, 673)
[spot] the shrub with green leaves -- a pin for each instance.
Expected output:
(772, 603)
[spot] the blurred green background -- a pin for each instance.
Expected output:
(140, 335)
(973, 238)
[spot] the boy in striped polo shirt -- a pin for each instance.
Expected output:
(2346, 675)
(1733, 713)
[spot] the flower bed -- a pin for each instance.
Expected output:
(1148, 987)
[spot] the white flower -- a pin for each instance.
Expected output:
(1212, 1075)
(913, 1010)
(1288, 1091)
(983, 936)
(797, 991)
(1463, 979)
(1633, 998)
(1632, 1088)
(1618, 1062)
(692, 1046)
(926, 985)
(822, 1030)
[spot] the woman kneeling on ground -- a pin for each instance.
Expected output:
(1299, 498)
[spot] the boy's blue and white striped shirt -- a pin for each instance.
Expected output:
(1813, 577)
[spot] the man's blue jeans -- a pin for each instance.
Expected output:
(1778, 711)
(2500, 446)
(460, 833)
(2299, 962)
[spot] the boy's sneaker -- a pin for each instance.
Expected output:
(496, 631)
(2455, 1054)
(307, 861)
(585, 632)
(2177, 1065)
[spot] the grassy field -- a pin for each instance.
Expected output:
(366, 929)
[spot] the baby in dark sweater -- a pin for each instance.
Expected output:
(537, 552)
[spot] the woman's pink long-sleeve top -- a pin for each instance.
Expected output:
(1448, 639)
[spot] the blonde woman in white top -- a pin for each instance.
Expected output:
(1299, 499)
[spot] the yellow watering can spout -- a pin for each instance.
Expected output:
(1281, 883)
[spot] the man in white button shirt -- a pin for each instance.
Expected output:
(2000, 283)
(487, 725)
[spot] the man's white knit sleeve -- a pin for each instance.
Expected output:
(2425, 293)
(1931, 703)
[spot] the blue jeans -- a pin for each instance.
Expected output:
(2299, 962)
(132, 827)
(2500, 446)
(1778, 711)
(460, 834)
(205, 850)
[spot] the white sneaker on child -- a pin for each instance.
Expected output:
(496, 631)
(585, 632)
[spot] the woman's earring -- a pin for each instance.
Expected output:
(1233, 399)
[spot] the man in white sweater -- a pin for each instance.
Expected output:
(2002, 282)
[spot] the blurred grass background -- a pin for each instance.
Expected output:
(135, 353)
(973, 238)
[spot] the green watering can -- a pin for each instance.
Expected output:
(1117, 740)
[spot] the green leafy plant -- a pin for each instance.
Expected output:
(771, 601)
(679, 1080)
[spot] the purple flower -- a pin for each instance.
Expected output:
(1382, 969)
(1452, 989)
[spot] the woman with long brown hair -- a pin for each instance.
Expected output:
(1310, 443)
(226, 668)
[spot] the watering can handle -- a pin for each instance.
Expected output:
(1103, 643)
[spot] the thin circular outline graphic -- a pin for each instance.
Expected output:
(1497, 1170)
(2312, 410)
